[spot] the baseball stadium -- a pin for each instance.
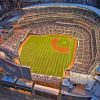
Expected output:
(55, 47)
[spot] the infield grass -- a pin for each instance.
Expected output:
(42, 58)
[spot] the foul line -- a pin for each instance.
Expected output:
(22, 45)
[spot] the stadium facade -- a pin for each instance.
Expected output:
(82, 80)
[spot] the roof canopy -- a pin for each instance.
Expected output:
(46, 89)
(96, 10)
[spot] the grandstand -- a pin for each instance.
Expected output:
(81, 79)
(83, 26)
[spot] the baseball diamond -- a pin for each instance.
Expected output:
(48, 54)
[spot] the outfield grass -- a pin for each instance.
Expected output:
(43, 58)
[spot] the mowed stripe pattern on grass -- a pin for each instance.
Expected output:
(39, 55)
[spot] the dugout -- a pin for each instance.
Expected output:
(47, 92)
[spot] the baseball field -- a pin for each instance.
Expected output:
(48, 54)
